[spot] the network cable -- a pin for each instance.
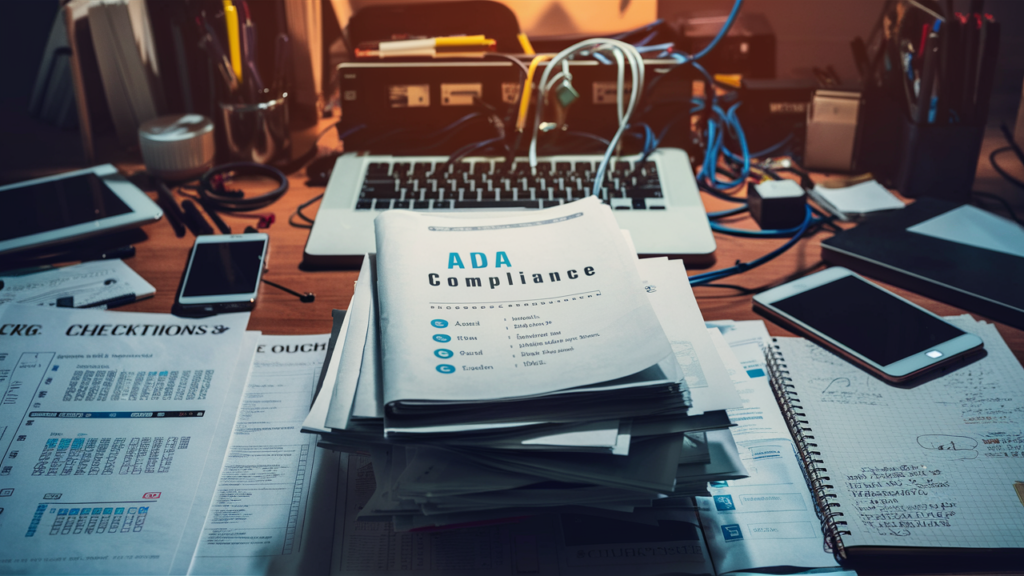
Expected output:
(740, 267)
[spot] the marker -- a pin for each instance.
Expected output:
(234, 42)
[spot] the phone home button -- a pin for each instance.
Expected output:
(933, 354)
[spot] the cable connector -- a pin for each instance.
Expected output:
(566, 94)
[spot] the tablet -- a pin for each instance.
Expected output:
(70, 206)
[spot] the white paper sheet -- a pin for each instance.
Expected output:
(672, 298)
(973, 226)
(351, 346)
(768, 519)
(87, 284)
(862, 198)
(597, 544)
(544, 300)
(316, 420)
(273, 511)
(110, 425)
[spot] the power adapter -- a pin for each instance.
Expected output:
(777, 204)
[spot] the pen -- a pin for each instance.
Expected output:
(972, 35)
(195, 221)
(114, 302)
(234, 47)
(988, 51)
(280, 64)
(170, 207)
(71, 255)
(121, 252)
(249, 49)
(924, 93)
(214, 217)
(217, 55)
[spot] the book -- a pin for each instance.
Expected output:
(124, 50)
(909, 474)
(53, 95)
(303, 22)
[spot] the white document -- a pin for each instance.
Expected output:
(113, 426)
(351, 352)
(316, 420)
(273, 510)
(368, 403)
(672, 297)
(932, 465)
(768, 519)
(973, 226)
(862, 198)
(88, 284)
(546, 300)
(591, 544)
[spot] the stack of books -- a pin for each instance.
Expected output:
(512, 363)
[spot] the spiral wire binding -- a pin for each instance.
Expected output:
(815, 473)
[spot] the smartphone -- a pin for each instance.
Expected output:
(888, 336)
(223, 273)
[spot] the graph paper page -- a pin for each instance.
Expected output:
(931, 466)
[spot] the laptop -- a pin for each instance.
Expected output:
(656, 198)
(657, 201)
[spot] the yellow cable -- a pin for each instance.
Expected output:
(524, 100)
(524, 43)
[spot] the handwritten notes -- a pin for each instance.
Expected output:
(933, 465)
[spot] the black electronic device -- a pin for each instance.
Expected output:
(883, 246)
(747, 49)
(774, 110)
(890, 337)
(223, 273)
(777, 204)
(418, 106)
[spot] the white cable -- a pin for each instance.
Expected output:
(620, 87)
(637, 69)
(635, 61)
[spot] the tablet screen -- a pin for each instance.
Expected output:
(868, 320)
(56, 204)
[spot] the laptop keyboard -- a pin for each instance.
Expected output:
(419, 184)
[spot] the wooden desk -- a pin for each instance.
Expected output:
(161, 260)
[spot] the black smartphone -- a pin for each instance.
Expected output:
(892, 338)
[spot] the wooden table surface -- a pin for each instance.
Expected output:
(161, 259)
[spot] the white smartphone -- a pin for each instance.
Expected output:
(890, 337)
(224, 272)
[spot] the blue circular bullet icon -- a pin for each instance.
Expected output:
(443, 353)
(445, 368)
(442, 338)
(439, 323)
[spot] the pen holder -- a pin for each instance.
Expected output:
(258, 132)
(934, 160)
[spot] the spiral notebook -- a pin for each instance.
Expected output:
(932, 470)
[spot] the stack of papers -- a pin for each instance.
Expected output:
(855, 201)
(511, 364)
(95, 284)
